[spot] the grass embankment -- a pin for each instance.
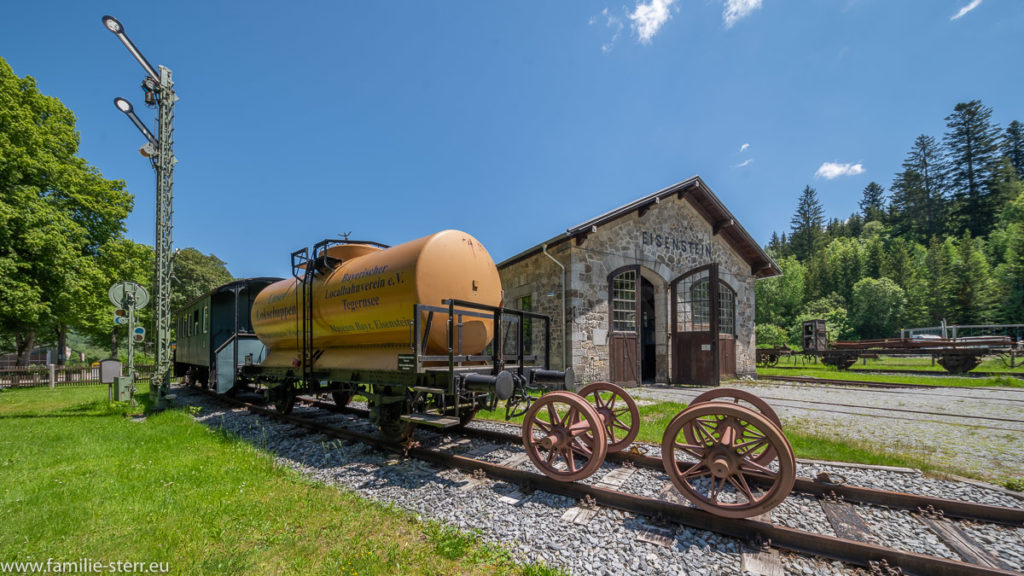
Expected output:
(655, 417)
(941, 378)
(80, 480)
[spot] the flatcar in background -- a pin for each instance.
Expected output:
(956, 355)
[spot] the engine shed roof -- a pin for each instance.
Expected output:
(703, 200)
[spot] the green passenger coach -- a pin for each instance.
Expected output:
(214, 334)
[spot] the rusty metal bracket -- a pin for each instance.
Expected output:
(930, 512)
(825, 478)
(479, 474)
(588, 502)
(831, 496)
(882, 568)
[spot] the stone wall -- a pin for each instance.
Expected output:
(540, 279)
(671, 239)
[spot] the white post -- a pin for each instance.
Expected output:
(53, 376)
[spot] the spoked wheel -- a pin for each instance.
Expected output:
(341, 398)
(618, 413)
(741, 398)
(721, 471)
(284, 398)
(564, 436)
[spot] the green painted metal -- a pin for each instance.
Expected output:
(164, 164)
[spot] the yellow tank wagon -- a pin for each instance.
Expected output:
(410, 327)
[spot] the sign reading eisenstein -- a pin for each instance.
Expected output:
(670, 242)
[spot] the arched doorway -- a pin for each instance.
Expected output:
(632, 347)
(703, 328)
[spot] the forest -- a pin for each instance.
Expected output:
(944, 242)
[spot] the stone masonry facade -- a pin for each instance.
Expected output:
(668, 241)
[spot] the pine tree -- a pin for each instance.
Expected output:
(806, 236)
(1013, 147)
(872, 202)
(972, 155)
(917, 192)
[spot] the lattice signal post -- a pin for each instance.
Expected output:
(159, 91)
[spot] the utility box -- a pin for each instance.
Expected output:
(110, 369)
(123, 386)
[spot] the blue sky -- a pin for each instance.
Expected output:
(512, 121)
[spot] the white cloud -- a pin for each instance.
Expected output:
(744, 163)
(744, 147)
(736, 9)
(974, 4)
(614, 24)
(833, 170)
(649, 18)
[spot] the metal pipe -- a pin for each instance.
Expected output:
(565, 329)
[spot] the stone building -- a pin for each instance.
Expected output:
(632, 291)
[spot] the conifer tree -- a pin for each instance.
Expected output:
(917, 192)
(872, 202)
(806, 235)
(972, 156)
(1013, 147)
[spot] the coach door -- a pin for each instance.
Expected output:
(703, 328)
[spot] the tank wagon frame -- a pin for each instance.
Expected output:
(439, 390)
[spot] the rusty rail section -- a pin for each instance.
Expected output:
(849, 551)
(959, 509)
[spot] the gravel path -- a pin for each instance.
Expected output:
(533, 526)
(979, 431)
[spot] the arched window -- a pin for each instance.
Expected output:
(693, 306)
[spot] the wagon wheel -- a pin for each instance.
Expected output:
(737, 397)
(466, 417)
(618, 413)
(730, 438)
(341, 398)
(397, 430)
(283, 397)
(773, 360)
(564, 436)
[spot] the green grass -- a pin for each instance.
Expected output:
(78, 479)
(822, 371)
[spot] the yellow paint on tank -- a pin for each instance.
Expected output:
(363, 308)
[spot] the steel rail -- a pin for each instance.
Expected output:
(849, 551)
(959, 509)
(938, 373)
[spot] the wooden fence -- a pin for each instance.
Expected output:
(52, 376)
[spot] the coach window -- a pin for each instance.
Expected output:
(195, 322)
(206, 319)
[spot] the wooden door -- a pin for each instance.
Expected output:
(623, 338)
(703, 328)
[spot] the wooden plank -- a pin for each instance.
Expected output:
(616, 478)
(658, 536)
(513, 498)
(845, 521)
(514, 460)
(763, 562)
(958, 540)
(671, 494)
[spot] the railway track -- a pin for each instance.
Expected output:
(848, 382)
(909, 372)
(642, 457)
(852, 543)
